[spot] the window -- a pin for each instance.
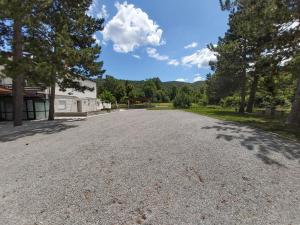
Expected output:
(62, 104)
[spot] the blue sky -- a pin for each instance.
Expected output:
(159, 38)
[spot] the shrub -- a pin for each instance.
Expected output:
(203, 101)
(107, 97)
(230, 101)
(182, 100)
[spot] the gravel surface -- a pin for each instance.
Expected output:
(147, 167)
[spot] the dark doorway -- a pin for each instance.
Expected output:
(79, 106)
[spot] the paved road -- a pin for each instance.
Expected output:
(147, 167)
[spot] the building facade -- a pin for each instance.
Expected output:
(36, 104)
(72, 101)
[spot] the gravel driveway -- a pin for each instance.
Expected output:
(147, 167)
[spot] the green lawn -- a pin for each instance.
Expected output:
(161, 106)
(272, 124)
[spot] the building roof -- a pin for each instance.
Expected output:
(5, 91)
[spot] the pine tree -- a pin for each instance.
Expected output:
(65, 48)
(15, 17)
(257, 24)
(294, 117)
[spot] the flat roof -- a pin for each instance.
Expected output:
(5, 91)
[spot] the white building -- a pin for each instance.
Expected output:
(72, 101)
(36, 101)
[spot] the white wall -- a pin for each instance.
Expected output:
(69, 104)
(72, 92)
(3, 79)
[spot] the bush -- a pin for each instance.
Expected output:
(230, 101)
(203, 101)
(182, 100)
(107, 97)
(267, 101)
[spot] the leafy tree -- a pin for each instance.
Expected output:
(107, 97)
(182, 100)
(173, 92)
(114, 86)
(136, 94)
(157, 82)
(150, 89)
(128, 87)
(162, 96)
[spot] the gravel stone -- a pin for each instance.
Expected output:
(147, 167)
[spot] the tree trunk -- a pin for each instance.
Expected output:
(18, 81)
(252, 96)
(243, 93)
(294, 117)
(52, 101)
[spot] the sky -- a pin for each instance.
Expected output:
(159, 38)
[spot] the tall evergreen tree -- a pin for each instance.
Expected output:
(294, 117)
(65, 48)
(16, 16)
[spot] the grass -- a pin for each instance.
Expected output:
(258, 120)
(161, 106)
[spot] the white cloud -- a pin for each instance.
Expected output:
(200, 58)
(173, 62)
(192, 45)
(136, 56)
(152, 52)
(98, 42)
(293, 25)
(197, 78)
(131, 28)
(98, 10)
(181, 80)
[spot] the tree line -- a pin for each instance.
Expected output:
(151, 90)
(51, 42)
(258, 59)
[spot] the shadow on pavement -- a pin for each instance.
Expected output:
(30, 128)
(262, 143)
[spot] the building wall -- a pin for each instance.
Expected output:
(72, 92)
(71, 100)
(74, 104)
(5, 81)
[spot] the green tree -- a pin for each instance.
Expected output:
(107, 96)
(256, 25)
(294, 117)
(150, 89)
(64, 46)
(182, 100)
(114, 86)
(16, 16)
(173, 92)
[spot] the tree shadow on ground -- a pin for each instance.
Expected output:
(8, 133)
(264, 144)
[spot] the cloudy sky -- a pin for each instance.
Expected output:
(159, 38)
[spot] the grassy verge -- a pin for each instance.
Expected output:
(272, 124)
(161, 106)
(264, 122)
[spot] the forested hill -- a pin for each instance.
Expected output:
(164, 85)
(112, 89)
